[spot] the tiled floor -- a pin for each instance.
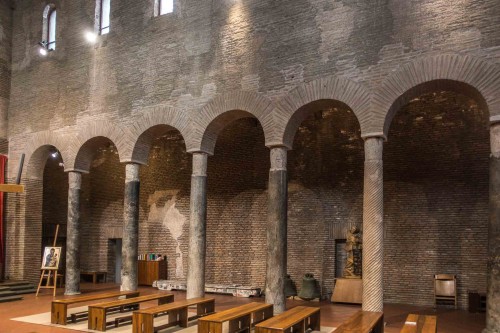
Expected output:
(449, 321)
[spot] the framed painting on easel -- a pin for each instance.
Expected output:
(51, 257)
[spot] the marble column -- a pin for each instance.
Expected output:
(277, 230)
(373, 226)
(493, 289)
(197, 227)
(130, 242)
(72, 286)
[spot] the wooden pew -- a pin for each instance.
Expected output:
(143, 320)
(59, 308)
(420, 324)
(239, 318)
(97, 312)
(363, 322)
(299, 319)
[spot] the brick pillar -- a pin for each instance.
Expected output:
(493, 291)
(373, 226)
(73, 235)
(130, 227)
(276, 230)
(197, 227)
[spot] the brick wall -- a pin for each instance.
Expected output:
(5, 64)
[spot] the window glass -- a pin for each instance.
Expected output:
(166, 6)
(105, 10)
(51, 42)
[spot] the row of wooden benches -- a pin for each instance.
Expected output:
(241, 318)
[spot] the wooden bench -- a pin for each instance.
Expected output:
(95, 275)
(299, 319)
(59, 308)
(143, 320)
(239, 318)
(420, 324)
(97, 312)
(363, 322)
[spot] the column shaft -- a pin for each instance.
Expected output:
(277, 230)
(72, 286)
(130, 241)
(493, 289)
(197, 227)
(373, 226)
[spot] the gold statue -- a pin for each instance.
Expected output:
(353, 247)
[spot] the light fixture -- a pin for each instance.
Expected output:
(54, 154)
(91, 37)
(43, 48)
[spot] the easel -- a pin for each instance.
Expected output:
(49, 272)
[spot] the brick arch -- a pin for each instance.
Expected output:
(299, 103)
(151, 124)
(463, 74)
(90, 137)
(38, 149)
(223, 110)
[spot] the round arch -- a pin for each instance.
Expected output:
(296, 106)
(150, 125)
(463, 74)
(225, 109)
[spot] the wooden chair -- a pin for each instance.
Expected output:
(445, 289)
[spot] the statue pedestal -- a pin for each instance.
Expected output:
(348, 291)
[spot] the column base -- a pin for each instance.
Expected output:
(72, 293)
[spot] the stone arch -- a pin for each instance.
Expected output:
(295, 107)
(89, 138)
(37, 150)
(463, 74)
(225, 109)
(151, 124)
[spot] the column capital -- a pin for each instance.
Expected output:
(495, 139)
(370, 135)
(200, 161)
(374, 147)
(278, 158)
(75, 179)
(132, 172)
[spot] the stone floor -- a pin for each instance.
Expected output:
(449, 321)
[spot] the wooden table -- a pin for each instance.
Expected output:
(94, 275)
(143, 320)
(420, 324)
(59, 308)
(239, 318)
(299, 318)
(363, 322)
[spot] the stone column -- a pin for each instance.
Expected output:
(277, 230)
(197, 227)
(493, 289)
(130, 242)
(373, 226)
(72, 286)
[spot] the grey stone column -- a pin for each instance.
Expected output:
(493, 290)
(197, 227)
(373, 226)
(72, 286)
(277, 230)
(130, 242)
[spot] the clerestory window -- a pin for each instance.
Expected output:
(49, 27)
(163, 7)
(104, 13)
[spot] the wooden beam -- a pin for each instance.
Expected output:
(11, 188)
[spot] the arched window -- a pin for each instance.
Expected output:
(103, 9)
(163, 7)
(49, 27)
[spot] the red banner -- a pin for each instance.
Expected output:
(3, 162)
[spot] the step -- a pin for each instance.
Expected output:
(6, 293)
(10, 298)
(25, 291)
(28, 286)
(13, 283)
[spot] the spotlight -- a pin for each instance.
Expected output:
(91, 37)
(43, 48)
(54, 154)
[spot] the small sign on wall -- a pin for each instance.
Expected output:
(51, 257)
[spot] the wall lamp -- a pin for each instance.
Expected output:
(43, 48)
